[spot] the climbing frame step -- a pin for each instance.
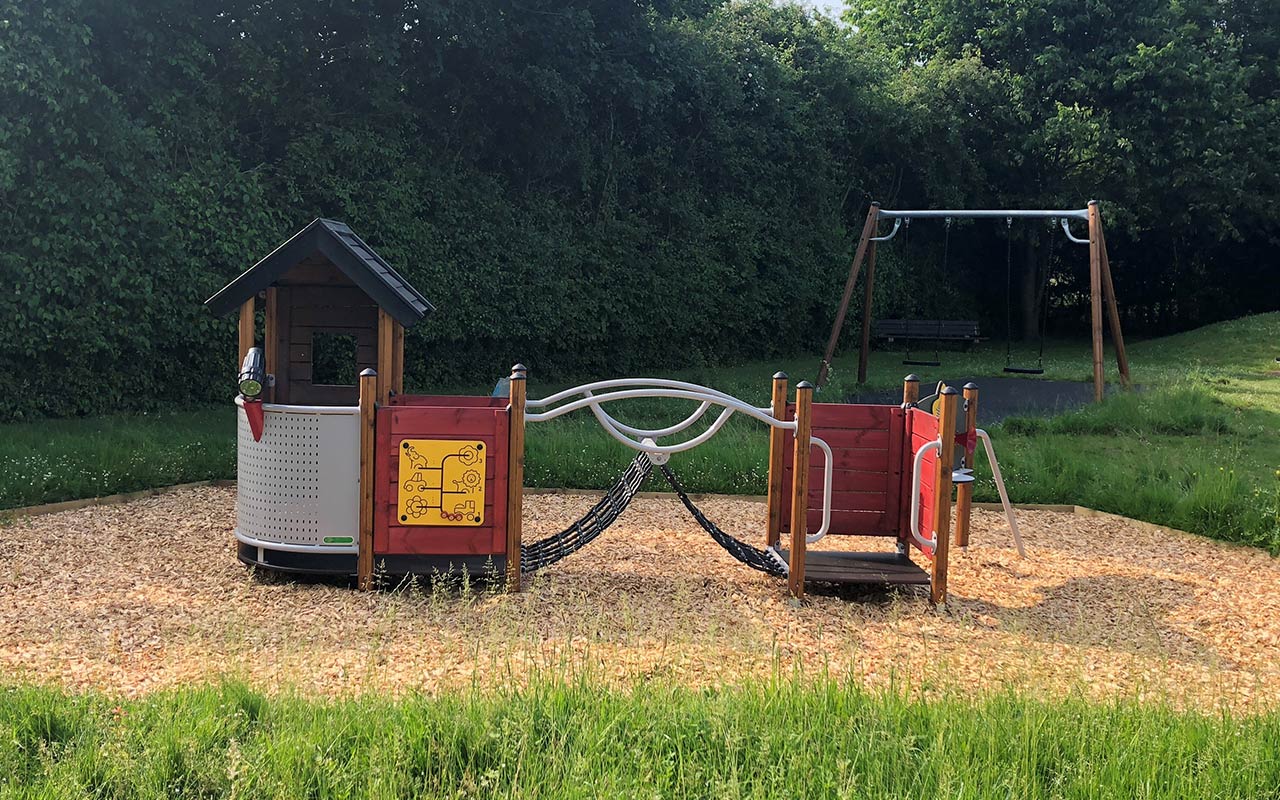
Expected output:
(826, 566)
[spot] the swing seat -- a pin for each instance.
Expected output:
(1025, 370)
(913, 363)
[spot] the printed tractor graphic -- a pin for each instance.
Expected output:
(441, 482)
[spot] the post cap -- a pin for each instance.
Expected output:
(368, 372)
(949, 390)
(912, 378)
(971, 385)
(779, 376)
(804, 385)
(1093, 202)
(519, 369)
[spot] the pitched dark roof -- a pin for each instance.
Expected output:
(348, 252)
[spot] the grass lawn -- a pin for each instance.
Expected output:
(1198, 450)
(561, 740)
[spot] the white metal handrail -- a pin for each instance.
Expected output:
(645, 440)
(916, 465)
(1004, 495)
(616, 383)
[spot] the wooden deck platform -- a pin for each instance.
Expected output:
(825, 566)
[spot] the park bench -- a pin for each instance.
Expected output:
(955, 330)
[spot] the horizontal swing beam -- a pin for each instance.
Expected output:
(986, 213)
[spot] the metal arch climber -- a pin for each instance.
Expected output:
(595, 394)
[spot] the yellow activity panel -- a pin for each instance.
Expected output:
(441, 482)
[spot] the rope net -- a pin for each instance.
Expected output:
(545, 552)
(764, 560)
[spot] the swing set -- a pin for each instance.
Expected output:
(1102, 290)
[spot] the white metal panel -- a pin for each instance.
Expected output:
(301, 482)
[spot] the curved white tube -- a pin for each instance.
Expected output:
(828, 472)
(666, 448)
(1004, 495)
(1066, 228)
(678, 390)
(717, 398)
(916, 466)
(645, 433)
(617, 383)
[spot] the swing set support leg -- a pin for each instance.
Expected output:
(1100, 288)
(864, 243)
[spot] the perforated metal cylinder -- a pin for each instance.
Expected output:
(298, 487)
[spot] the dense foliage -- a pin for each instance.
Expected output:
(598, 185)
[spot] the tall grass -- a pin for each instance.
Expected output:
(570, 740)
(52, 460)
(1176, 456)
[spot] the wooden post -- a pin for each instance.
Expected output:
(800, 487)
(864, 350)
(247, 334)
(778, 406)
(964, 492)
(386, 356)
(910, 389)
(397, 358)
(364, 557)
(515, 475)
(868, 231)
(1113, 310)
(270, 337)
(1095, 298)
(942, 492)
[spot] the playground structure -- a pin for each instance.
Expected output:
(1102, 290)
(416, 484)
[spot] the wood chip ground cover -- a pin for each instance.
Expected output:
(148, 594)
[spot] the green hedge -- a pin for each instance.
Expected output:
(591, 186)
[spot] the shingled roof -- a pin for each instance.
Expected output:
(348, 252)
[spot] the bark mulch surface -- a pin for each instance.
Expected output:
(148, 594)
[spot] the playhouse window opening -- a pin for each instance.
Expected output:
(333, 359)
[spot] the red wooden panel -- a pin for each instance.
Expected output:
(442, 423)
(866, 470)
(864, 438)
(924, 429)
(924, 424)
(480, 421)
(893, 489)
(846, 416)
(849, 481)
(849, 501)
(857, 460)
(451, 401)
(852, 523)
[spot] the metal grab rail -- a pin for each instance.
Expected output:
(677, 390)
(916, 466)
(1004, 495)
(827, 473)
(716, 398)
(995, 473)
(897, 223)
(615, 383)
(1066, 228)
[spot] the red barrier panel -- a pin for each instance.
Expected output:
(478, 419)
(922, 427)
(866, 445)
